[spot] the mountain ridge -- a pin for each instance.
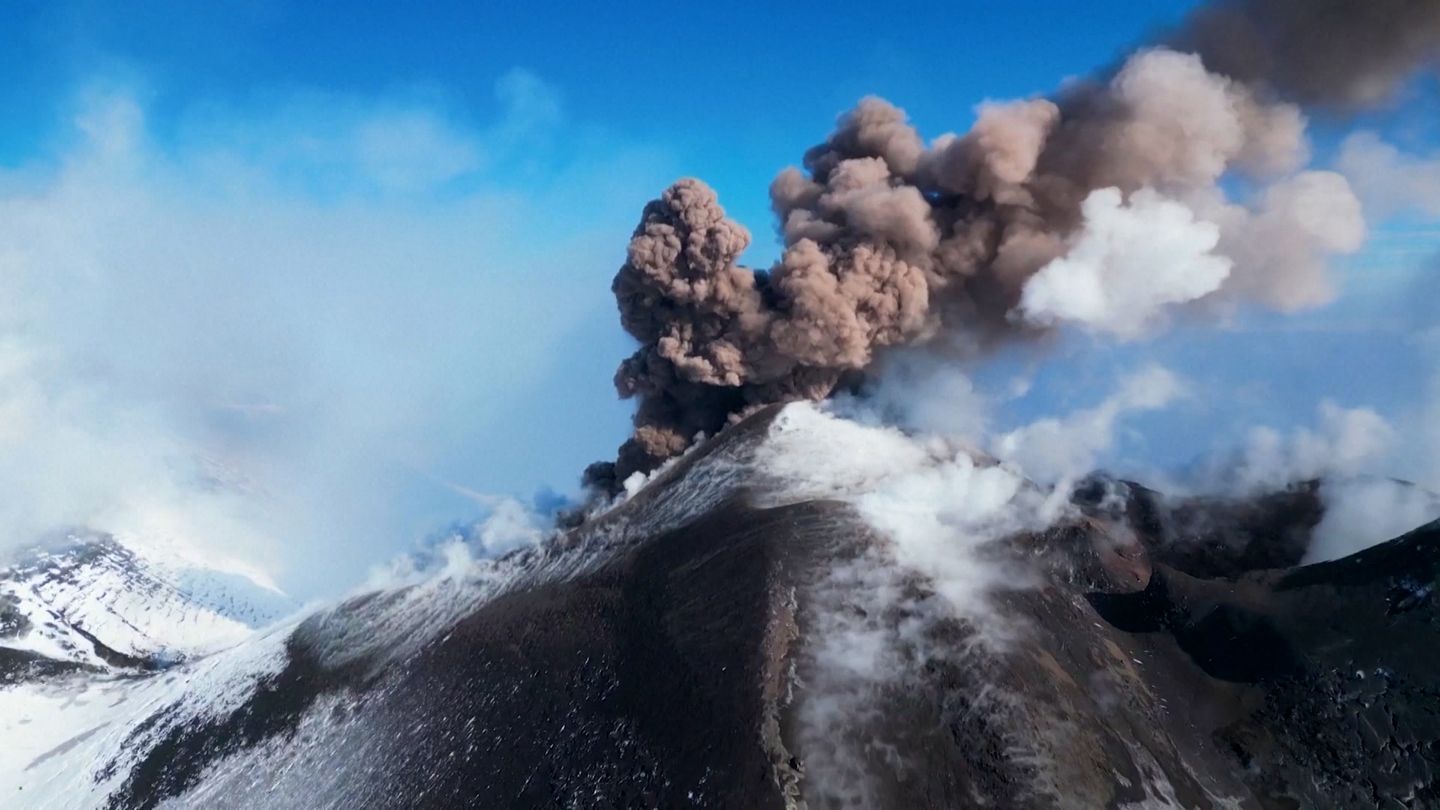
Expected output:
(713, 641)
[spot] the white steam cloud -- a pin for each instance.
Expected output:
(1347, 450)
(1428, 443)
(1130, 261)
(1362, 512)
(1059, 449)
(941, 510)
(936, 508)
(1344, 442)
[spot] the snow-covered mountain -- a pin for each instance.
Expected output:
(94, 627)
(800, 612)
(101, 601)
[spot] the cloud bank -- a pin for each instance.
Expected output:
(272, 331)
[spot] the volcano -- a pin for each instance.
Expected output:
(723, 638)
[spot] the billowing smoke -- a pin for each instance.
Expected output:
(1338, 53)
(1179, 180)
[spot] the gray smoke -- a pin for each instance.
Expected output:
(1336, 53)
(1045, 213)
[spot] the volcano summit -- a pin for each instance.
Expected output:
(732, 635)
(989, 485)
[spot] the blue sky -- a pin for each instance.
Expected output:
(732, 91)
(394, 226)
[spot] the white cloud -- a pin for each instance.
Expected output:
(300, 291)
(1130, 261)
(1345, 441)
(919, 390)
(1390, 181)
(934, 501)
(872, 631)
(1064, 448)
(1420, 457)
(1362, 512)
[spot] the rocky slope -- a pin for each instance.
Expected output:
(727, 638)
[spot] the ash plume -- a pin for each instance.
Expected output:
(1101, 207)
(1337, 53)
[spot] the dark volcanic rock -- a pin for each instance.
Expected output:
(673, 653)
(1212, 536)
(647, 683)
(17, 666)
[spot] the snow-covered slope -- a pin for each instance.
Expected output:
(759, 624)
(84, 738)
(81, 617)
(100, 601)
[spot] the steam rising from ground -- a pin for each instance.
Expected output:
(1347, 450)
(1061, 450)
(1178, 181)
(1343, 443)
(936, 507)
(1362, 512)
(941, 509)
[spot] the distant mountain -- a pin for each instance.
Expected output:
(720, 640)
(88, 600)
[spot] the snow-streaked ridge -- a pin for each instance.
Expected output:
(91, 728)
(142, 601)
